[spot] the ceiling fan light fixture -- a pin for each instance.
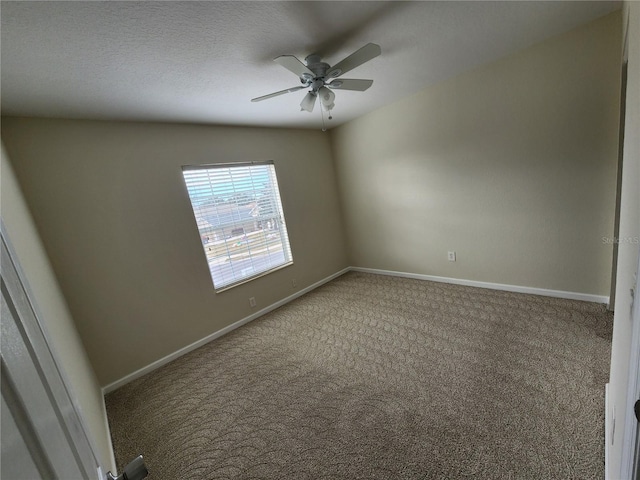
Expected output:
(326, 98)
(308, 102)
(328, 107)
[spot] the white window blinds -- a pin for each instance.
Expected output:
(240, 219)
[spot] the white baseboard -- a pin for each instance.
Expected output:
(494, 286)
(183, 351)
(457, 281)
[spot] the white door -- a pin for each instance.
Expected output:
(631, 445)
(43, 436)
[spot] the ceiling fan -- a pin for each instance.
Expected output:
(317, 76)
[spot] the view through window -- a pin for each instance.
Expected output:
(239, 216)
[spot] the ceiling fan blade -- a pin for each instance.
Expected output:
(308, 102)
(275, 94)
(350, 84)
(357, 58)
(292, 64)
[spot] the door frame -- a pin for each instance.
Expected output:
(32, 374)
(616, 221)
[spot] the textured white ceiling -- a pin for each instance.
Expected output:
(203, 61)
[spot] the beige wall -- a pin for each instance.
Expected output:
(60, 329)
(628, 248)
(511, 165)
(112, 209)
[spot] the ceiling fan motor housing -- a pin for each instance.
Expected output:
(319, 69)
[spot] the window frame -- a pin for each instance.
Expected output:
(279, 205)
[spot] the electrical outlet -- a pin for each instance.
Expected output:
(252, 301)
(451, 256)
(294, 283)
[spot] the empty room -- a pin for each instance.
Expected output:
(320, 240)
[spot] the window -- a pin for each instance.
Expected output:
(239, 216)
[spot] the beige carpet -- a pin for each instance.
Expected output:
(375, 377)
